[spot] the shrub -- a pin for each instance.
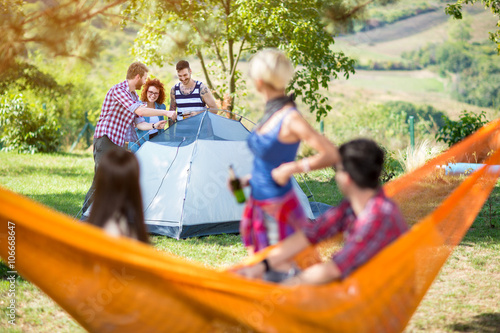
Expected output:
(27, 128)
(392, 167)
(385, 123)
(427, 118)
(455, 131)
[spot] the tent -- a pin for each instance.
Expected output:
(184, 175)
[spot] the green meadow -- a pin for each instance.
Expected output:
(397, 81)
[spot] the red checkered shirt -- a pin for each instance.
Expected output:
(117, 113)
(365, 235)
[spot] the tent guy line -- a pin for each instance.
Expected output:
(165, 175)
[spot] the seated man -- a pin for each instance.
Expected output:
(369, 220)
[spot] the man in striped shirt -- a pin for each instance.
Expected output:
(120, 109)
(188, 96)
(368, 219)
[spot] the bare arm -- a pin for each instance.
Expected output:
(295, 127)
(143, 111)
(281, 254)
(284, 253)
(208, 98)
(145, 126)
(173, 104)
(245, 180)
(317, 274)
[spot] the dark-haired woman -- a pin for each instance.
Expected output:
(117, 206)
(153, 93)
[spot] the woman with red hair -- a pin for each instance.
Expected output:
(153, 93)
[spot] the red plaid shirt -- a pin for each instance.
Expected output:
(365, 235)
(117, 113)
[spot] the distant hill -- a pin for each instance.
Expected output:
(406, 27)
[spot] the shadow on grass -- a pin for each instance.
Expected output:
(81, 155)
(482, 235)
(52, 170)
(5, 272)
(219, 240)
(67, 202)
(483, 323)
(490, 212)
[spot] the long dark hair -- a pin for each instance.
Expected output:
(118, 191)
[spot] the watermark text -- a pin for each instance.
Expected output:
(11, 273)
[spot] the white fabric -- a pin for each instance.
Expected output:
(117, 226)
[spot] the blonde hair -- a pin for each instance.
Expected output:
(272, 67)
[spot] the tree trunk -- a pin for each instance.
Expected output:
(210, 86)
(231, 83)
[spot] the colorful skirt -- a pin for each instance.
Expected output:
(285, 212)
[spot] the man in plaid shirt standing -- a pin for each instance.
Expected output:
(121, 107)
(369, 220)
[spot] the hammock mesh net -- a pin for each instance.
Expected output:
(120, 285)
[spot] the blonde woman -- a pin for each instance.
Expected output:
(273, 210)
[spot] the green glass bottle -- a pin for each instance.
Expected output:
(236, 186)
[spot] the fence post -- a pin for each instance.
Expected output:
(87, 130)
(412, 133)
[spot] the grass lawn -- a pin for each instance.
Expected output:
(464, 297)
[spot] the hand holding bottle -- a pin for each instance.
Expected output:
(236, 186)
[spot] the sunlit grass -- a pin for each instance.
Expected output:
(56, 180)
(35, 311)
(218, 251)
(391, 81)
(464, 296)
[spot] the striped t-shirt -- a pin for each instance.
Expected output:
(191, 102)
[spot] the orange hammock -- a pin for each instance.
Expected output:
(120, 285)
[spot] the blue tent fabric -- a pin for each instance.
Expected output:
(318, 208)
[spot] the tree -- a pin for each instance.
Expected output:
(38, 39)
(214, 30)
(57, 26)
(455, 10)
(222, 32)
(460, 31)
(455, 131)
